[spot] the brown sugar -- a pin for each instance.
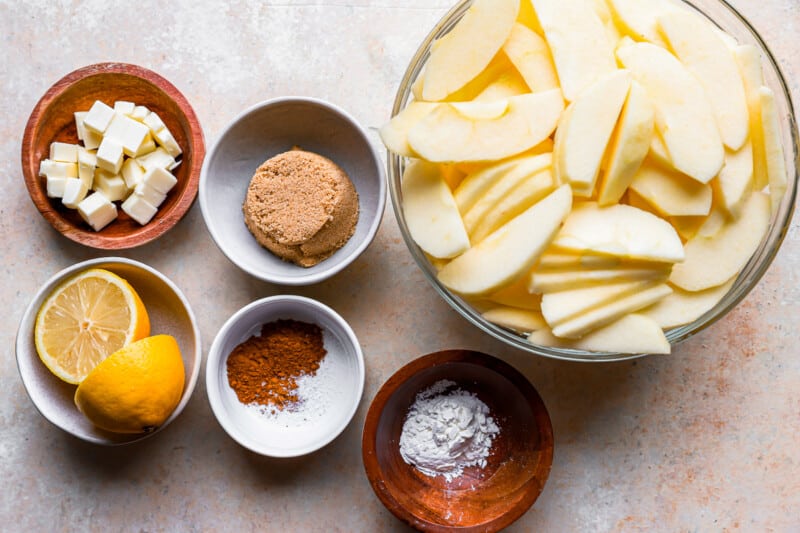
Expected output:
(301, 206)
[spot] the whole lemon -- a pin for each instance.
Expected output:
(135, 389)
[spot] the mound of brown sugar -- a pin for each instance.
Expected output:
(301, 206)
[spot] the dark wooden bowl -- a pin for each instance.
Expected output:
(52, 120)
(486, 499)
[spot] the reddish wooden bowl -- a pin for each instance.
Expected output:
(486, 499)
(52, 120)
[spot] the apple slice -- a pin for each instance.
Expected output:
(639, 18)
(735, 180)
(531, 56)
(620, 230)
(633, 334)
(596, 318)
(430, 211)
(395, 133)
(581, 51)
(700, 48)
(508, 84)
(684, 116)
(773, 149)
(671, 192)
(682, 307)
(749, 62)
(520, 320)
(517, 295)
(559, 307)
(553, 281)
(523, 196)
(465, 51)
(629, 147)
(711, 261)
(551, 260)
(524, 170)
(497, 67)
(448, 135)
(584, 132)
(510, 251)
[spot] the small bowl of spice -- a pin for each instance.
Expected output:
(457, 440)
(285, 376)
(292, 192)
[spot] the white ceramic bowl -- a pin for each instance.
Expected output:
(169, 313)
(342, 373)
(263, 131)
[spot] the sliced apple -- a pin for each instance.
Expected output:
(559, 307)
(531, 56)
(395, 133)
(749, 62)
(684, 116)
(711, 261)
(658, 150)
(510, 251)
(639, 18)
(508, 84)
(525, 169)
(683, 307)
(584, 132)
(698, 45)
(551, 260)
(554, 281)
(735, 180)
(773, 148)
(629, 145)
(430, 211)
(520, 320)
(577, 37)
(531, 190)
(632, 334)
(468, 48)
(671, 192)
(620, 230)
(448, 135)
(517, 295)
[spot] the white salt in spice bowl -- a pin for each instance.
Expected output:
(331, 396)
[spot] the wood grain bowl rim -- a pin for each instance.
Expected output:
(146, 233)
(431, 360)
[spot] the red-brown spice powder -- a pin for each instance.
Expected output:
(264, 369)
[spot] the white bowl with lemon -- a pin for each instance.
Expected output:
(109, 351)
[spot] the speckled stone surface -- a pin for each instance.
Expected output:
(707, 439)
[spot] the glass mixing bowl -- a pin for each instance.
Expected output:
(732, 22)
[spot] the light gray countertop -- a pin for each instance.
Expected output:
(704, 439)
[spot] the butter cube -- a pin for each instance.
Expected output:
(57, 169)
(139, 113)
(75, 191)
(160, 180)
(139, 209)
(154, 122)
(147, 146)
(111, 185)
(132, 173)
(87, 162)
(165, 139)
(79, 124)
(109, 155)
(99, 117)
(55, 186)
(158, 158)
(97, 210)
(124, 108)
(127, 132)
(64, 152)
(149, 194)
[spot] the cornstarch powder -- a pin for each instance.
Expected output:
(447, 430)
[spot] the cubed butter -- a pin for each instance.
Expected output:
(127, 132)
(64, 152)
(99, 117)
(139, 209)
(147, 146)
(81, 129)
(139, 113)
(55, 186)
(152, 196)
(160, 180)
(154, 122)
(158, 158)
(165, 139)
(132, 173)
(111, 185)
(75, 191)
(110, 155)
(97, 210)
(124, 108)
(58, 169)
(87, 162)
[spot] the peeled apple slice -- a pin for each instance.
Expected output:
(620, 230)
(511, 250)
(517, 295)
(683, 307)
(430, 211)
(553, 281)
(639, 18)
(460, 55)
(735, 180)
(776, 164)
(672, 193)
(448, 135)
(749, 62)
(633, 334)
(711, 261)
(395, 133)
(558, 307)
(508, 84)
(521, 320)
(531, 56)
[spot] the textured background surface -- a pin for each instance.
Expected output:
(705, 439)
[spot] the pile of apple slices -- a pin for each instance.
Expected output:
(589, 173)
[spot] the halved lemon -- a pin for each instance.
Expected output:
(84, 320)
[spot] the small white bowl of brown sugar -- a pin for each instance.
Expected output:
(293, 190)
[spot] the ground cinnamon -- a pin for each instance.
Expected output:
(264, 369)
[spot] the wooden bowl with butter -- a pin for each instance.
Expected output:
(53, 120)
